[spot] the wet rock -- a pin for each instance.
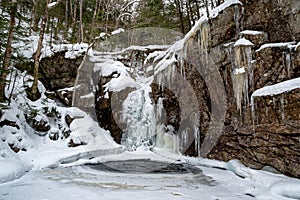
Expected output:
(258, 38)
(9, 123)
(68, 120)
(54, 134)
(58, 73)
(272, 138)
(41, 126)
(75, 144)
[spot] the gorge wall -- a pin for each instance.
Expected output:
(266, 134)
(252, 44)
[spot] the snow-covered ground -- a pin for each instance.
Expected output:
(218, 180)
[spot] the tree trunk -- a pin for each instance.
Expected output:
(198, 9)
(36, 16)
(73, 9)
(191, 13)
(207, 11)
(66, 18)
(180, 15)
(80, 21)
(188, 15)
(95, 11)
(8, 51)
(34, 89)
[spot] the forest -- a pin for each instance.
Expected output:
(150, 99)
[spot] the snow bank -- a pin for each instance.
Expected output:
(11, 170)
(265, 185)
(36, 149)
(11, 167)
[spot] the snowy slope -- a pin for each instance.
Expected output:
(35, 149)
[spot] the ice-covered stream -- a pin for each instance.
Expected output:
(200, 183)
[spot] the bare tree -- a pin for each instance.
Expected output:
(66, 18)
(34, 89)
(96, 10)
(123, 8)
(80, 22)
(179, 6)
(8, 50)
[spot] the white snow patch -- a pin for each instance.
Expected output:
(243, 42)
(120, 83)
(51, 5)
(297, 46)
(270, 45)
(108, 67)
(90, 95)
(278, 88)
(251, 32)
(102, 34)
(239, 71)
(118, 31)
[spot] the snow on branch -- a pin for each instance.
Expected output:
(53, 4)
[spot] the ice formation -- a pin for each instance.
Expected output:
(242, 74)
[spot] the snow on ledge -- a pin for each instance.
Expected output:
(278, 88)
(243, 42)
(212, 14)
(215, 12)
(118, 31)
(239, 71)
(270, 45)
(251, 32)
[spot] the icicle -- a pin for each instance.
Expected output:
(274, 102)
(250, 67)
(282, 107)
(242, 71)
(197, 134)
(238, 87)
(173, 71)
(253, 111)
(288, 63)
(204, 41)
(159, 108)
(169, 75)
(237, 18)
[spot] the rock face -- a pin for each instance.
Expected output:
(261, 132)
(270, 136)
(58, 74)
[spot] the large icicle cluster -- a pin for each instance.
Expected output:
(242, 71)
